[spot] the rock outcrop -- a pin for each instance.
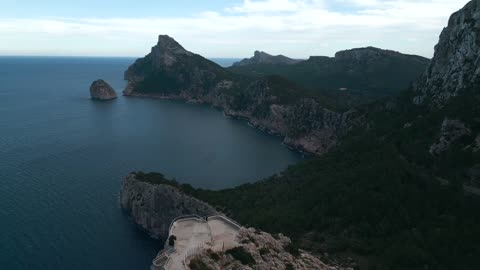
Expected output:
(451, 131)
(272, 104)
(267, 252)
(455, 66)
(264, 58)
(153, 206)
(101, 90)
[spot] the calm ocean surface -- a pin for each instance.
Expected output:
(63, 156)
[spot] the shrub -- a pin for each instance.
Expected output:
(240, 254)
(264, 251)
(292, 249)
(198, 264)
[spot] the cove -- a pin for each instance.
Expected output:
(63, 156)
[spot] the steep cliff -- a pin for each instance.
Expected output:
(272, 103)
(154, 202)
(455, 66)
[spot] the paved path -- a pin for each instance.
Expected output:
(223, 234)
(194, 234)
(190, 233)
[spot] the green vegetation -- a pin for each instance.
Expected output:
(240, 254)
(382, 75)
(155, 178)
(198, 264)
(378, 193)
(292, 249)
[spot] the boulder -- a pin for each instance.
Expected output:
(101, 90)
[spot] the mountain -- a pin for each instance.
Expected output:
(398, 192)
(456, 63)
(368, 71)
(266, 59)
(272, 103)
(169, 69)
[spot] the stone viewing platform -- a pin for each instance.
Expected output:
(193, 235)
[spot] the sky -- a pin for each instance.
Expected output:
(221, 28)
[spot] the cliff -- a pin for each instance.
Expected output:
(272, 104)
(263, 58)
(154, 203)
(455, 66)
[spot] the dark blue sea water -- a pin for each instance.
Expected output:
(225, 62)
(63, 156)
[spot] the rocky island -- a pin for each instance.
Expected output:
(101, 90)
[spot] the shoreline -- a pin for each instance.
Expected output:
(300, 150)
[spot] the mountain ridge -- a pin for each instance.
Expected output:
(260, 57)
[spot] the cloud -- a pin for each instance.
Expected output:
(295, 28)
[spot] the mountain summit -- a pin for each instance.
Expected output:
(260, 57)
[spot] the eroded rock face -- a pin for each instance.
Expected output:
(450, 132)
(267, 251)
(154, 206)
(101, 90)
(456, 64)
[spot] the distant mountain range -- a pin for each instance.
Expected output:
(369, 71)
(263, 58)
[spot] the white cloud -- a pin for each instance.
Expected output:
(291, 27)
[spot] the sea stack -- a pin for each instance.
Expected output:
(101, 90)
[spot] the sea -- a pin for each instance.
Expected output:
(63, 157)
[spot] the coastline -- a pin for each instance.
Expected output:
(287, 142)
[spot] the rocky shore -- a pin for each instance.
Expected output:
(271, 104)
(153, 202)
(154, 206)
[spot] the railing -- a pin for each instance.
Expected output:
(158, 261)
(226, 219)
(192, 252)
(181, 217)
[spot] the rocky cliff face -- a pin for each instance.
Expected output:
(455, 66)
(101, 90)
(154, 206)
(260, 58)
(267, 252)
(169, 69)
(271, 104)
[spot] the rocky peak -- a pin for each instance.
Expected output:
(168, 44)
(456, 63)
(260, 57)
